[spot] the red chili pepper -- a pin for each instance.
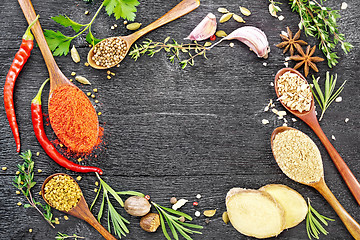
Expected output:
(19, 61)
(37, 120)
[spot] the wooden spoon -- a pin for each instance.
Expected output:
(81, 210)
(184, 7)
(310, 119)
(57, 78)
(352, 226)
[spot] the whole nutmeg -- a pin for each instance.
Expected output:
(150, 222)
(137, 206)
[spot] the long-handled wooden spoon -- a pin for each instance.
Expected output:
(310, 119)
(58, 79)
(184, 7)
(81, 210)
(352, 226)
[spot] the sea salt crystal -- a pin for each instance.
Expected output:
(285, 124)
(265, 64)
(338, 99)
(333, 137)
(198, 196)
(346, 120)
(271, 84)
(265, 121)
(286, 64)
(197, 214)
(281, 17)
(293, 119)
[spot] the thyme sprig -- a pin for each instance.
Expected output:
(320, 22)
(24, 182)
(313, 222)
(325, 98)
(174, 223)
(174, 50)
(62, 236)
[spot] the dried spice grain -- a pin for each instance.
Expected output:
(109, 52)
(62, 192)
(294, 92)
(298, 156)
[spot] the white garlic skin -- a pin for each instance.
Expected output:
(205, 29)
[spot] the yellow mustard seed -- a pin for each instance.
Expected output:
(108, 77)
(62, 193)
(73, 73)
(39, 170)
(66, 217)
(61, 145)
(40, 193)
(17, 172)
(96, 101)
(99, 113)
(86, 64)
(86, 12)
(79, 159)
(95, 90)
(78, 178)
(57, 219)
(4, 168)
(38, 153)
(70, 80)
(108, 72)
(57, 222)
(88, 93)
(112, 74)
(95, 189)
(93, 95)
(17, 192)
(125, 22)
(96, 183)
(19, 203)
(30, 230)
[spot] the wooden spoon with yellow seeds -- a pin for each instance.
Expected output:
(111, 51)
(63, 193)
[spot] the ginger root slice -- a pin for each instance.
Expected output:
(254, 213)
(293, 203)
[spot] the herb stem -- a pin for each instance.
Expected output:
(90, 23)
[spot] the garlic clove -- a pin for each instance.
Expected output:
(253, 38)
(205, 29)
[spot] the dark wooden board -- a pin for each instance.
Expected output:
(173, 132)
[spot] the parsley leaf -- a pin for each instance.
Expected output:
(58, 43)
(121, 8)
(67, 22)
(91, 39)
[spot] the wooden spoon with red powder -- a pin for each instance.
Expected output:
(72, 116)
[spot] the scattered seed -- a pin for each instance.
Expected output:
(115, 25)
(195, 204)
(79, 159)
(38, 153)
(112, 73)
(40, 193)
(99, 113)
(226, 17)
(182, 219)
(66, 217)
(108, 77)
(238, 18)
(179, 204)
(95, 189)
(333, 137)
(281, 17)
(70, 80)
(125, 22)
(96, 183)
(198, 196)
(17, 172)
(232, 45)
(264, 121)
(173, 200)
(338, 99)
(271, 84)
(286, 64)
(30, 230)
(133, 26)
(264, 64)
(147, 197)
(209, 213)
(207, 221)
(86, 64)
(285, 125)
(19, 203)
(112, 27)
(225, 218)
(73, 73)
(245, 11)
(39, 170)
(82, 80)
(61, 145)
(74, 54)
(220, 33)
(86, 12)
(344, 6)
(78, 178)
(197, 214)
(346, 120)
(88, 93)
(4, 168)
(93, 95)
(223, 10)
(293, 119)
(96, 101)
(17, 192)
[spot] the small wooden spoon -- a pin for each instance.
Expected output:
(81, 210)
(352, 226)
(184, 7)
(311, 120)
(57, 78)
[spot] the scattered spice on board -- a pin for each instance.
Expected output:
(294, 92)
(109, 52)
(73, 119)
(62, 192)
(298, 156)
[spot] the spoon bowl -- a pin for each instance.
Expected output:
(309, 117)
(320, 185)
(80, 210)
(184, 7)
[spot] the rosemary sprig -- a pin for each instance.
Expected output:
(174, 223)
(320, 22)
(61, 236)
(313, 226)
(174, 50)
(25, 181)
(325, 99)
(113, 217)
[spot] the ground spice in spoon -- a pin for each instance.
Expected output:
(73, 119)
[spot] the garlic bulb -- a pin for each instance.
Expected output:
(253, 38)
(205, 29)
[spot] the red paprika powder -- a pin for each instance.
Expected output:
(73, 119)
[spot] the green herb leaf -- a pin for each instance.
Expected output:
(67, 22)
(121, 8)
(58, 43)
(133, 193)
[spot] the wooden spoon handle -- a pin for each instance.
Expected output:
(340, 164)
(184, 7)
(352, 226)
(30, 15)
(93, 222)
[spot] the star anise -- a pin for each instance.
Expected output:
(290, 42)
(306, 59)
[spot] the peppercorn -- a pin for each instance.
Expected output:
(147, 197)
(213, 38)
(182, 219)
(173, 200)
(195, 204)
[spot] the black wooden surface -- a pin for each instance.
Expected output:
(172, 132)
